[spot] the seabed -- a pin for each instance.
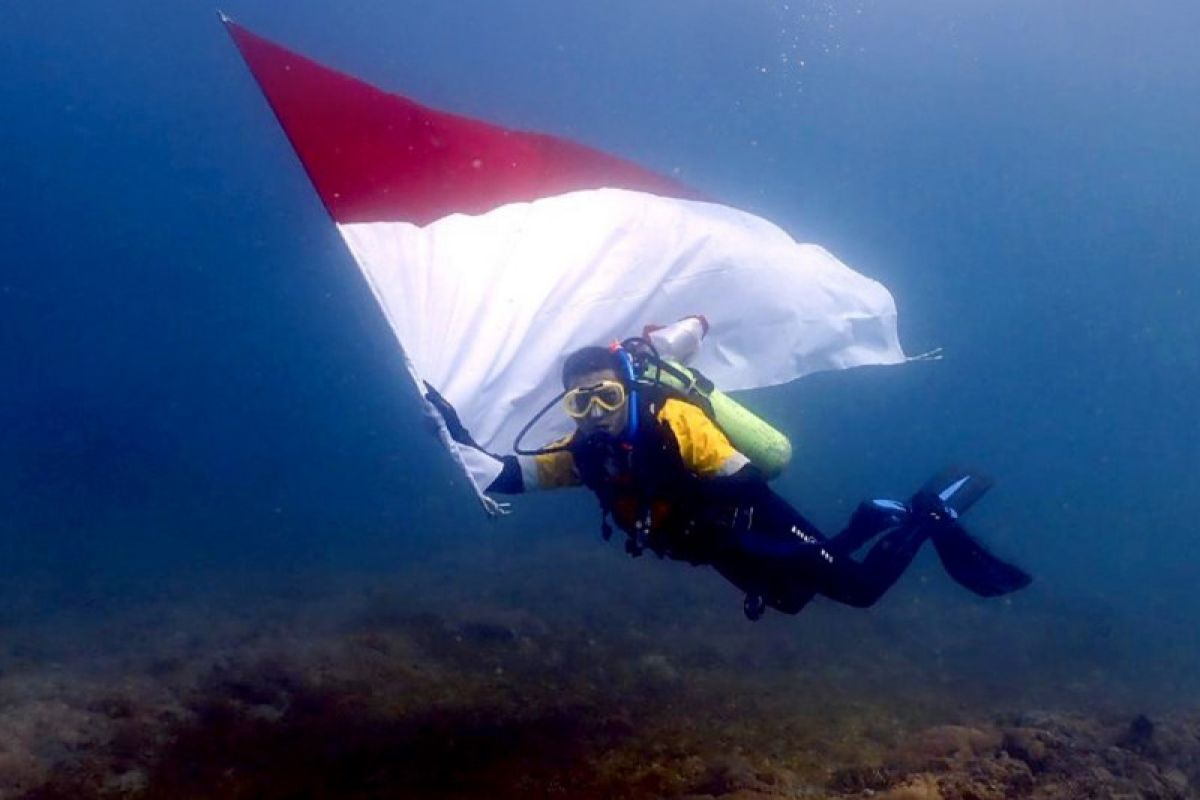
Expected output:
(506, 674)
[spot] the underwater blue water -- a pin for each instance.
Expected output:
(197, 381)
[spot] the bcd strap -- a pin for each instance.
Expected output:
(695, 390)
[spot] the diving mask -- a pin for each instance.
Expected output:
(608, 395)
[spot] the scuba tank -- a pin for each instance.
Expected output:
(670, 347)
(766, 447)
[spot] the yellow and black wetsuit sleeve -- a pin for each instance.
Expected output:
(705, 449)
(519, 474)
(554, 470)
(549, 471)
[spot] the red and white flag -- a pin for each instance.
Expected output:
(495, 252)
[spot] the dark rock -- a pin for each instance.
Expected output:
(1139, 737)
(729, 775)
(487, 633)
(948, 742)
(1027, 745)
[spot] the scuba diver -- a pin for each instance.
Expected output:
(669, 477)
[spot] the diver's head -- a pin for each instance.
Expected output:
(597, 395)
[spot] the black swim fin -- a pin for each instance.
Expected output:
(973, 566)
(956, 489)
(943, 499)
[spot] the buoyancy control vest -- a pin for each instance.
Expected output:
(642, 482)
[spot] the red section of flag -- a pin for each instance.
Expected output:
(375, 156)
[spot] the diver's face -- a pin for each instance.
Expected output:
(599, 419)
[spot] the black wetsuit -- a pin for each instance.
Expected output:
(736, 524)
(782, 557)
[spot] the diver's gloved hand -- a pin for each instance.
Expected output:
(458, 431)
(509, 481)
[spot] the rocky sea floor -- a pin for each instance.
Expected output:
(566, 671)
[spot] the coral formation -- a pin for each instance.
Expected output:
(525, 688)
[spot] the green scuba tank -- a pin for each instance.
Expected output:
(767, 448)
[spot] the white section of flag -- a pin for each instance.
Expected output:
(485, 307)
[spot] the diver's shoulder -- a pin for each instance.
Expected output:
(674, 408)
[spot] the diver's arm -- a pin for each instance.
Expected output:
(518, 474)
(726, 476)
(704, 448)
(555, 470)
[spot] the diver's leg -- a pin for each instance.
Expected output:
(765, 581)
(794, 571)
(862, 583)
(772, 528)
(758, 554)
(931, 513)
(781, 559)
(871, 518)
(947, 495)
